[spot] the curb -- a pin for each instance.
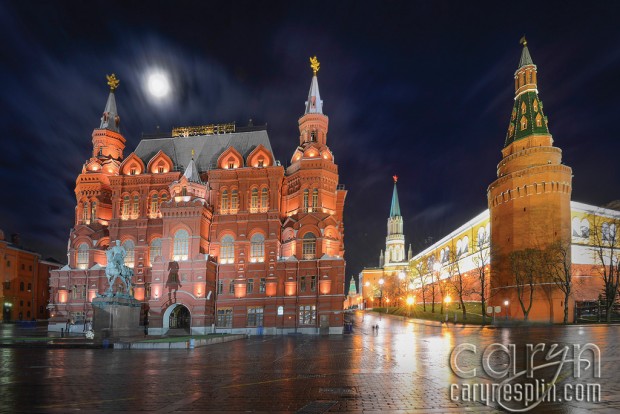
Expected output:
(190, 344)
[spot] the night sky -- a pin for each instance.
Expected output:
(419, 89)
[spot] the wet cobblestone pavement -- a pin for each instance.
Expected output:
(402, 368)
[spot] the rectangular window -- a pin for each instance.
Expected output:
(220, 287)
(224, 317)
(307, 315)
(250, 288)
(125, 207)
(255, 316)
(147, 291)
(313, 284)
(234, 201)
(262, 285)
(136, 206)
(264, 200)
(29, 287)
(302, 284)
(231, 287)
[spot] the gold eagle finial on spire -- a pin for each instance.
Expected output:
(112, 81)
(314, 64)
(523, 41)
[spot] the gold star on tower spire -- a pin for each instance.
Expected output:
(314, 64)
(112, 81)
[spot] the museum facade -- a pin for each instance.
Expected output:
(220, 236)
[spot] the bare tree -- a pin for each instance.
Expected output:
(559, 270)
(460, 286)
(482, 259)
(421, 273)
(526, 266)
(606, 246)
(434, 280)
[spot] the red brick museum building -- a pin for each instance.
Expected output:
(220, 235)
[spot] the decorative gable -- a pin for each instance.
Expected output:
(160, 163)
(132, 165)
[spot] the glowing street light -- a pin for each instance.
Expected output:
(506, 303)
(410, 301)
(381, 282)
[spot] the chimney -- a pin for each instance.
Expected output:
(15, 239)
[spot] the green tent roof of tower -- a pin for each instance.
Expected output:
(527, 117)
(395, 208)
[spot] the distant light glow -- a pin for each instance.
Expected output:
(158, 84)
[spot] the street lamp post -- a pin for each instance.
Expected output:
(506, 306)
(381, 282)
(401, 278)
(447, 300)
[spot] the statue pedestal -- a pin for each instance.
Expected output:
(116, 317)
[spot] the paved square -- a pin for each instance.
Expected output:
(401, 368)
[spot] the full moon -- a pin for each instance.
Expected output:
(158, 85)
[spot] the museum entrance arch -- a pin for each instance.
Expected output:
(177, 318)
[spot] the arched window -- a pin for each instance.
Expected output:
(309, 246)
(224, 204)
(82, 256)
(125, 207)
(523, 123)
(234, 201)
(257, 253)
(446, 256)
(155, 249)
(315, 198)
(254, 200)
(305, 200)
(535, 103)
(585, 228)
(227, 249)
(609, 232)
(264, 199)
(154, 205)
(181, 245)
(136, 206)
(576, 224)
(231, 163)
(482, 237)
(85, 213)
(465, 245)
(130, 249)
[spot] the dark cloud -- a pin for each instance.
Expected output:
(420, 89)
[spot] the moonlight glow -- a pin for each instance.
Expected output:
(158, 85)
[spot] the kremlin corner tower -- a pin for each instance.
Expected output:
(530, 202)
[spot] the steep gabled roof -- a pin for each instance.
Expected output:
(207, 147)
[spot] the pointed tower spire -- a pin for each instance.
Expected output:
(409, 253)
(110, 119)
(314, 104)
(381, 259)
(191, 172)
(395, 208)
(526, 59)
(527, 116)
